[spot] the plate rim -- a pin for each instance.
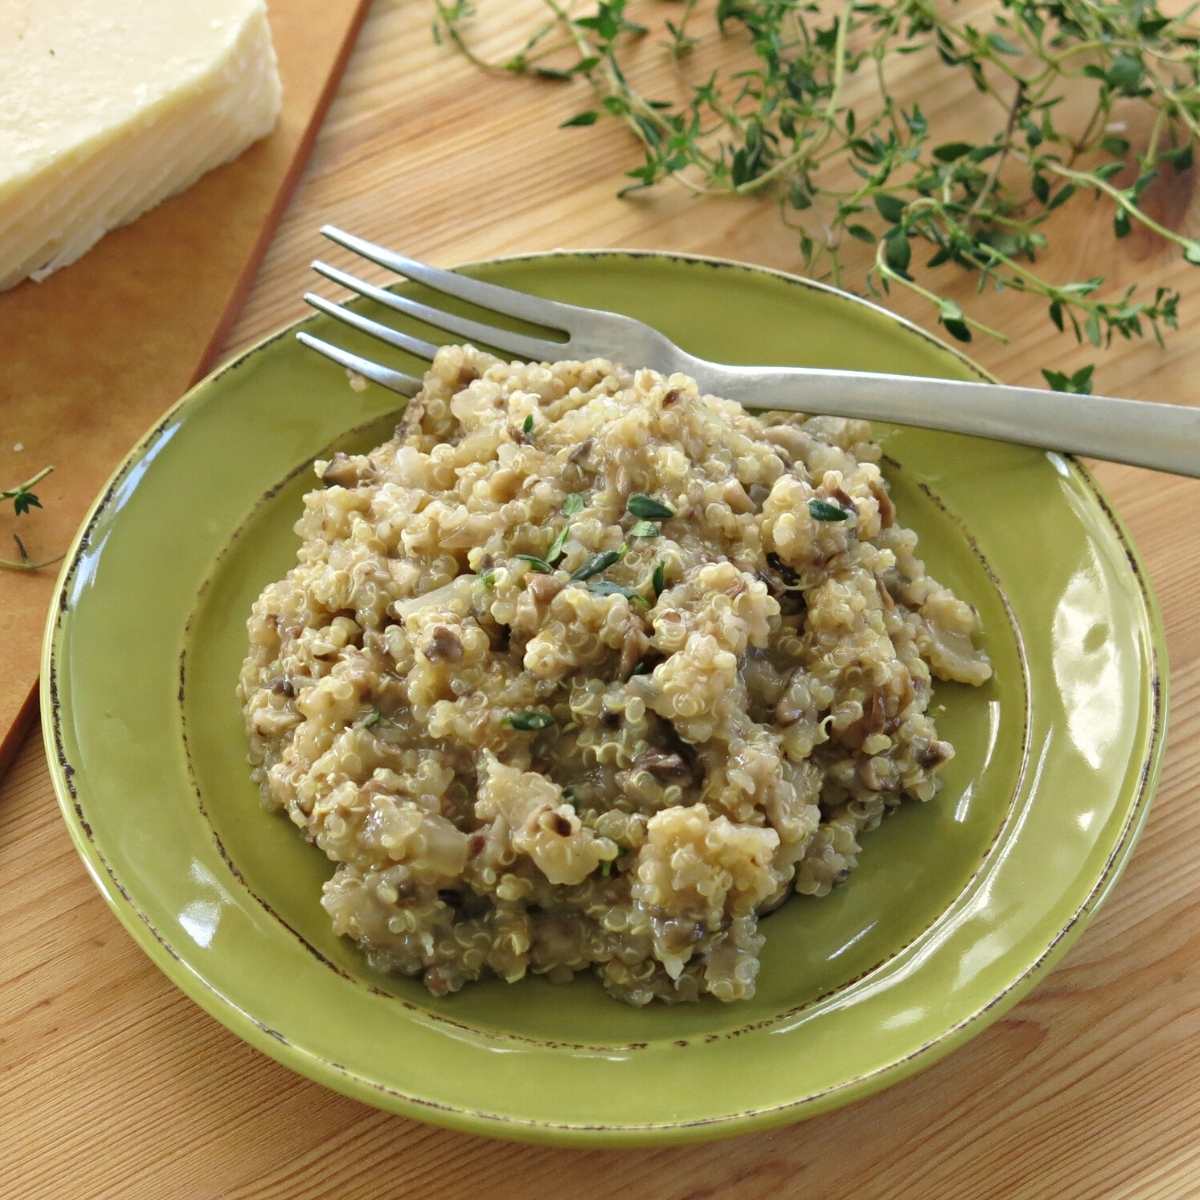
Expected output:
(465, 1119)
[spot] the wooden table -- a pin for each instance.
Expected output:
(112, 1083)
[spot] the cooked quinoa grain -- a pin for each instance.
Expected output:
(584, 670)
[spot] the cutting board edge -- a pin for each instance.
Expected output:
(14, 736)
(241, 285)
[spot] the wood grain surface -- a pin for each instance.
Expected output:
(113, 1084)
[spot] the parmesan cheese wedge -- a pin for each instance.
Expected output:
(107, 107)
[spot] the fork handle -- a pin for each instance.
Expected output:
(1163, 437)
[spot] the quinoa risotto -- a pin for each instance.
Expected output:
(584, 670)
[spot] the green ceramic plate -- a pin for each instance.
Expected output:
(959, 905)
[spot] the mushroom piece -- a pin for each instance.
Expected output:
(878, 774)
(736, 497)
(636, 644)
(661, 764)
(581, 451)
(887, 510)
(795, 442)
(345, 471)
(543, 588)
(934, 754)
(677, 934)
(875, 716)
(443, 645)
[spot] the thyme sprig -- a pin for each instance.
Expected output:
(878, 172)
(23, 496)
(24, 500)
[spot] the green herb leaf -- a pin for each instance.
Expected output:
(538, 564)
(1125, 73)
(822, 510)
(529, 720)
(896, 250)
(556, 547)
(527, 425)
(575, 502)
(952, 151)
(606, 868)
(658, 581)
(645, 529)
(1063, 194)
(799, 197)
(371, 719)
(951, 316)
(24, 500)
(646, 506)
(488, 579)
(583, 118)
(1143, 181)
(604, 587)
(917, 124)
(596, 564)
(1180, 158)
(1080, 383)
(891, 208)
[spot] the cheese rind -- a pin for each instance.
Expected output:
(107, 107)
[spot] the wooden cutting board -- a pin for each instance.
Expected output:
(90, 357)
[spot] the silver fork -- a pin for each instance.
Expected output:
(1163, 437)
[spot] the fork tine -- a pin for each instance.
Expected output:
(395, 381)
(474, 331)
(486, 295)
(385, 333)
